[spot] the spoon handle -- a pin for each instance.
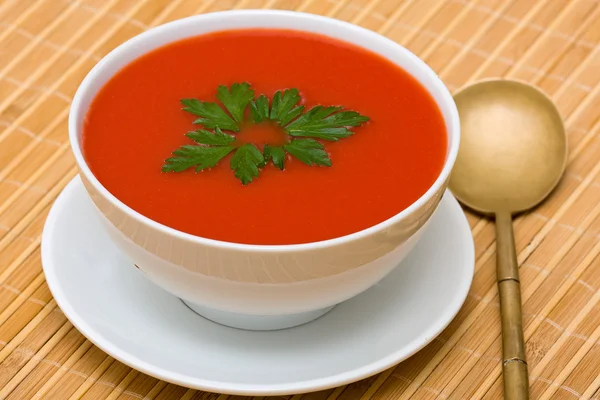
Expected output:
(514, 365)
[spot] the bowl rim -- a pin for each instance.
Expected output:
(107, 60)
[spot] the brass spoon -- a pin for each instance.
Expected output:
(512, 154)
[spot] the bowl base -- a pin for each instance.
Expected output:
(257, 322)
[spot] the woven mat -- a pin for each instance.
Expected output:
(47, 47)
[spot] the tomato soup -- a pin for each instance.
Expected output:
(136, 121)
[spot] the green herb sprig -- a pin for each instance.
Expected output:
(303, 129)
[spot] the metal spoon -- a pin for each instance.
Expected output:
(512, 154)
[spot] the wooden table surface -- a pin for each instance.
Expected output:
(47, 47)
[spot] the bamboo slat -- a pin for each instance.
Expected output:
(47, 47)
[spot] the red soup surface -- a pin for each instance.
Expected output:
(136, 121)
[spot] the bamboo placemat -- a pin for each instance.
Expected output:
(47, 47)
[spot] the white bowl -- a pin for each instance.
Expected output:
(255, 286)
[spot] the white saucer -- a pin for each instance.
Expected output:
(136, 322)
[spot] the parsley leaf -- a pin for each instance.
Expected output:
(260, 108)
(212, 144)
(207, 137)
(284, 108)
(245, 163)
(211, 114)
(191, 155)
(309, 151)
(325, 123)
(236, 99)
(275, 153)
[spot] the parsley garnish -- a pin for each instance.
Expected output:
(216, 146)
(302, 128)
(325, 123)
(284, 108)
(236, 99)
(275, 153)
(245, 163)
(309, 151)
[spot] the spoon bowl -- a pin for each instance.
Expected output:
(513, 149)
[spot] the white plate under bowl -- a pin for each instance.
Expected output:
(141, 325)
